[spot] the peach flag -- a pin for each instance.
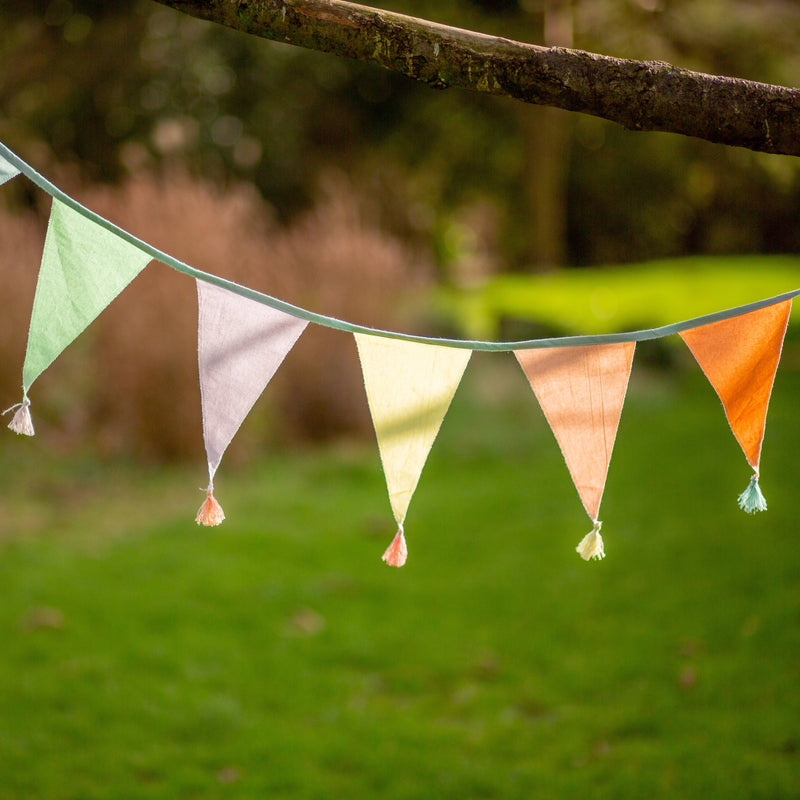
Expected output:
(740, 356)
(581, 391)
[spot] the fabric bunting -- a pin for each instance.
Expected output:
(581, 391)
(84, 267)
(7, 171)
(410, 381)
(409, 389)
(240, 345)
(740, 356)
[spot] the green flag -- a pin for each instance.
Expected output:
(84, 267)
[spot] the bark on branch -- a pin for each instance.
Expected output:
(640, 95)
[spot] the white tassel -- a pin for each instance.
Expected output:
(21, 422)
(591, 545)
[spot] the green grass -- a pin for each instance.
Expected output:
(277, 657)
(610, 299)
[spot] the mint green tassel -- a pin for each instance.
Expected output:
(751, 499)
(591, 545)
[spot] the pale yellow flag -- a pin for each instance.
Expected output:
(409, 389)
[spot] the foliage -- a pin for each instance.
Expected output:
(233, 106)
(276, 656)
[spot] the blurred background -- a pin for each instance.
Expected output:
(276, 656)
(345, 189)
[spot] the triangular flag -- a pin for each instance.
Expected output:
(581, 391)
(409, 388)
(240, 345)
(740, 356)
(7, 171)
(84, 267)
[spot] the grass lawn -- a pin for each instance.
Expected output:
(277, 657)
(609, 299)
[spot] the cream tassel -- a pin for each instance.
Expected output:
(591, 545)
(21, 422)
(397, 552)
(210, 513)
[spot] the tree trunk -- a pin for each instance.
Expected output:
(546, 134)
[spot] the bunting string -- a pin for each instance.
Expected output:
(332, 322)
(580, 382)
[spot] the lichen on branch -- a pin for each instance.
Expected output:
(639, 95)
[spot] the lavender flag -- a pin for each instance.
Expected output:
(240, 344)
(7, 171)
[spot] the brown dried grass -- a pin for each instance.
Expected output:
(130, 383)
(21, 238)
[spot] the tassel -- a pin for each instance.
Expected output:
(591, 545)
(397, 552)
(21, 422)
(210, 513)
(751, 499)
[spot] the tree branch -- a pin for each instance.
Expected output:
(639, 95)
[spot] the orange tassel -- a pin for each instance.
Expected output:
(210, 513)
(397, 552)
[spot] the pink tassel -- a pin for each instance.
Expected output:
(397, 552)
(210, 513)
(21, 422)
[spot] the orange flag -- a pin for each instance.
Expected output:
(581, 391)
(739, 356)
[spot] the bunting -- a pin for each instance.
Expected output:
(581, 391)
(740, 356)
(409, 389)
(244, 336)
(240, 345)
(84, 267)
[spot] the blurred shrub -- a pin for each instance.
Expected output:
(334, 261)
(21, 237)
(130, 383)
